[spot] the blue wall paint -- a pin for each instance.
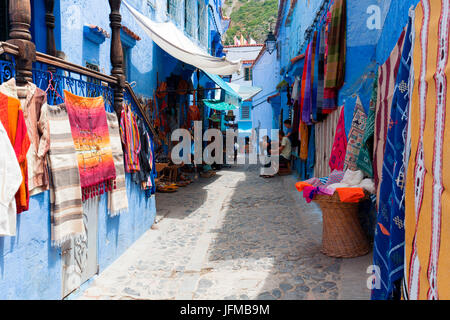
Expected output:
(31, 269)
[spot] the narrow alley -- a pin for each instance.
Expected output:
(234, 236)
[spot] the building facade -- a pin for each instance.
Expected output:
(30, 267)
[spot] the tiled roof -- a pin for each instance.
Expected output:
(131, 33)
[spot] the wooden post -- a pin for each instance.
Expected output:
(20, 21)
(50, 23)
(117, 54)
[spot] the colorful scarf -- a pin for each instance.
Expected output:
(334, 77)
(387, 74)
(130, 139)
(65, 191)
(90, 135)
(337, 157)
(427, 222)
(355, 137)
(365, 162)
(389, 246)
(144, 177)
(311, 161)
(117, 198)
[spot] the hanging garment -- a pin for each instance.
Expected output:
(143, 177)
(338, 152)
(315, 76)
(355, 136)
(307, 99)
(303, 141)
(389, 248)
(10, 181)
(387, 74)
(39, 143)
(14, 123)
(321, 72)
(65, 189)
(335, 74)
(311, 161)
(130, 139)
(427, 225)
(90, 135)
(365, 158)
(117, 198)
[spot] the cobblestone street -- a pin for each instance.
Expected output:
(234, 236)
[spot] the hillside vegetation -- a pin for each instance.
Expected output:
(250, 18)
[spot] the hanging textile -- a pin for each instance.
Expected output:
(10, 181)
(321, 72)
(144, 176)
(315, 75)
(427, 227)
(14, 123)
(334, 77)
(355, 137)
(130, 139)
(311, 161)
(117, 198)
(307, 106)
(387, 74)
(90, 135)
(389, 247)
(31, 105)
(338, 152)
(65, 191)
(303, 141)
(365, 158)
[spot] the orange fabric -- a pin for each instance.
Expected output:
(350, 195)
(17, 132)
(302, 185)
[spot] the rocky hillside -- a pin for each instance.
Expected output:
(250, 18)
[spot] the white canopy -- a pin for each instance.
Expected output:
(172, 40)
(245, 92)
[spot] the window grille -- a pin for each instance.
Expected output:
(248, 74)
(245, 113)
(172, 9)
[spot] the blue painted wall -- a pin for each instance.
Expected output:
(30, 268)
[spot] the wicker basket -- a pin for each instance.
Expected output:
(342, 236)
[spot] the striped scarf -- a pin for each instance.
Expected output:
(65, 191)
(334, 77)
(118, 200)
(130, 138)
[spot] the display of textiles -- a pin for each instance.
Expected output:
(427, 223)
(130, 139)
(355, 137)
(389, 246)
(145, 176)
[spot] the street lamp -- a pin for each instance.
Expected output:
(271, 42)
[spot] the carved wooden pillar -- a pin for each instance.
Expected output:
(50, 23)
(116, 53)
(20, 21)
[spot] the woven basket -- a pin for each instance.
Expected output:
(342, 236)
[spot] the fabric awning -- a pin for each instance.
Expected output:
(230, 96)
(172, 40)
(219, 105)
(245, 92)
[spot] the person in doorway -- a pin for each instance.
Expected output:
(266, 148)
(285, 150)
(288, 126)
